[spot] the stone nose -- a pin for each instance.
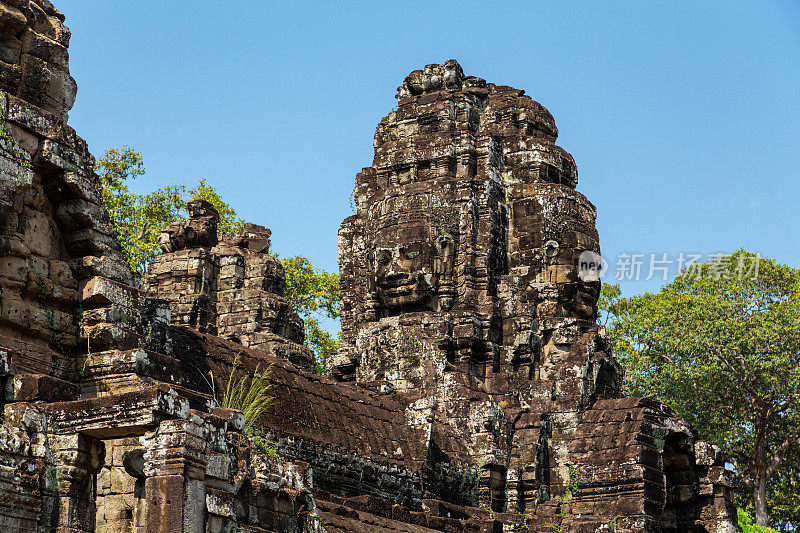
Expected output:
(394, 273)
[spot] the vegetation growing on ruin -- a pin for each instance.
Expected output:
(20, 157)
(724, 350)
(247, 392)
(139, 218)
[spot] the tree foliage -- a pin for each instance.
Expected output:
(721, 344)
(311, 290)
(783, 496)
(139, 218)
(609, 301)
(747, 524)
(313, 293)
(322, 342)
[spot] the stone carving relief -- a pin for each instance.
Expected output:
(411, 270)
(478, 378)
(200, 231)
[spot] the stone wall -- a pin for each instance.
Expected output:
(98, 433)
(33, 55)
(232, 288)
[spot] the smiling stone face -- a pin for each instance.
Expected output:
(404, 277)
(407, 266)
(577, 297)
(567, 232)
(553, 235)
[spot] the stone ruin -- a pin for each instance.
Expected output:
(474, 391)
(231, 288)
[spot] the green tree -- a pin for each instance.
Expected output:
(313, 293)
(783, 496)
(322, 342)
(609, 301)
(747, 525)
(721, 344)
(139, 218)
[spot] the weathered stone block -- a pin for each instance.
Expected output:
(39, 387)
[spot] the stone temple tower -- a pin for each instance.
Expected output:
(462, 287)
(474, 390)
(466, 240)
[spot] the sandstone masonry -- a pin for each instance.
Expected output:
(474, 391)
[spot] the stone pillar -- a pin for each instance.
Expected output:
(78, 458)
(175, 470)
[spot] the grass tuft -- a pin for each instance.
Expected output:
(248, 393)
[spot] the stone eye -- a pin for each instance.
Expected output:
(412, 254)
(383, 257)
(551, 248)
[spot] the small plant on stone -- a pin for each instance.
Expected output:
(248, 393)
(11, 145)
(352, 198)
(409, 343)
(508, 178)
(51, 321)
(572, 490)
(489, 506)
(524, 526)
(79, 319)
(573, 485)
(265, 446)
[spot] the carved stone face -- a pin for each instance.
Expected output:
(559, 239)
(576, 297)
(407, 268)
(584, 302)
(404, 277)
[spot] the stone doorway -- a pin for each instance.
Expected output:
(120, 501)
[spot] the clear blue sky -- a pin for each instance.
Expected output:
(684, 118)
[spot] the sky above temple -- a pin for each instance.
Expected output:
(684, 119)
